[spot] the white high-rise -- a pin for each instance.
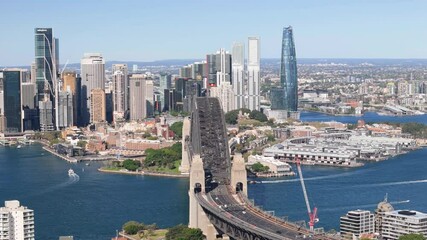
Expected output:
(93, 77)
(124, 69)
(119, 94)
(137, 97)
(253, 73)
(238, 67)
(16, 222)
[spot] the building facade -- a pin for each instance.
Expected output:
(10, 102)
(288, 71)
(253, 73)
(93, 76)
(98, 106)
(65, 109)
(355, 223)
(165, 83)
(71, 83)
(119, 90)
(218, 68)
(16, 222)
(400, 222)
(238, 70)
(137, 90)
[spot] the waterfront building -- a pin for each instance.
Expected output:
(238, 67)
(253, 73)
(275, 166)
(71, 83)
(16, 222)
(98, 106)
(119, 94)
(165, 83)
(11, 104)
(137, 90)
(356, 223)
(288, 71)
(93, 76)
(400, 222)
(219, 68)
(65, 109)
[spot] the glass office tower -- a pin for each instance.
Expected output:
(12, 101)
(288, 71)
(45, 55)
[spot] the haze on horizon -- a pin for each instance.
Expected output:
(134, 30)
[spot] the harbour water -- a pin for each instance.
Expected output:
(95, 204)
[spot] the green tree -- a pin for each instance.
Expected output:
(176, 127)
(132, 227)
(182, 232)
(259, 116)
(258, 167)
(412, 236)
(131, 165)
(231, 117)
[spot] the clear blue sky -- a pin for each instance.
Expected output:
(145, 30)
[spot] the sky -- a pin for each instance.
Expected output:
(148, 30)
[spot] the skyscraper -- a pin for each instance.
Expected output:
(71, 83)
(11, 106)
(46, 66)
(253, 73)
(93, 76)
(149, 96)
(137, 103)
(219, 68)
(124, 69)
(98, 105)
(288, 71)
(165, 83)
(119, 94)
(65, 109)
(17, 221)
(238, 67)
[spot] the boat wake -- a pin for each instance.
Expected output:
(71, 180)
(360, 206)
(394, 183)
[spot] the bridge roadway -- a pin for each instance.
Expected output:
(238, 212)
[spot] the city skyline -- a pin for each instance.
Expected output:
(156, 37)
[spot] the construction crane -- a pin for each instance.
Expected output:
(311, 214)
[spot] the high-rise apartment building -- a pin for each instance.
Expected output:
(165, 83)
(355, 223)
(149, 96)
(10, 101)
(137, 97)
(238, 71)
(253, 73)
(124, 69)
(98, 106)
(226, 96)
(16, 222)
(119, 91)
(288, 71)
(93, 77)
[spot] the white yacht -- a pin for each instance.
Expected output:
(71, 173)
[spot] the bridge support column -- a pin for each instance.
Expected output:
(210, 232)
(185, 162)
(225, 237)
(239, 179)
(197, 184)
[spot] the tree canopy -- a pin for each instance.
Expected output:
(133, 227)
(164, 157)
(131, 165)
(258, 167)
(182, 232)
(176, 127)
(412, 236)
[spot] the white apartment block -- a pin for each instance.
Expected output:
(253, 73)
(16, 222)
(400, 222)
(356, 223)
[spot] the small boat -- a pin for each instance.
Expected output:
(71, 173)
(19, 146)
(87, 164)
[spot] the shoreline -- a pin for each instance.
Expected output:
(144, 173)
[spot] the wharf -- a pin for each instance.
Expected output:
(146, 173)
(66, 158)
(352, 165)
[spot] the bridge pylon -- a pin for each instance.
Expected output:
(198, 218)
(239, 182)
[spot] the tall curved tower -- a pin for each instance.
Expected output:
(288, 71)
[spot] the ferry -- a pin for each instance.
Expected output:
(18, 147)
(71, 173)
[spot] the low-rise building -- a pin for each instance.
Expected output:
(275, 166)
(400, 222)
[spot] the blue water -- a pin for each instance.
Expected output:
(94, 205)
(367, 117)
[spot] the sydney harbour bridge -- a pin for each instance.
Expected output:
(218, 184)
